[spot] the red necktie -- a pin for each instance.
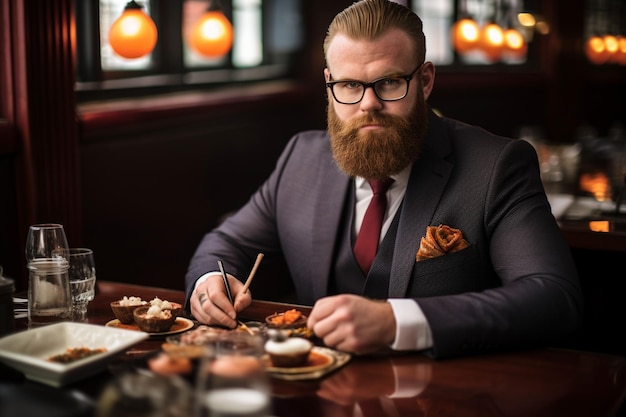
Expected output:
(367, 241)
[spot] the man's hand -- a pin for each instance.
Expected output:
(210, 304)
(353, 324)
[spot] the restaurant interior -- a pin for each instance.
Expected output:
(139, 160)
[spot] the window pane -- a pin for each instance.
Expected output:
(437, 19)
(285, 26)
(248, 47)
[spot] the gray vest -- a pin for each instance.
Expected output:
(346, 276)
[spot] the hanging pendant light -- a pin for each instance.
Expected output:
(595, 49)
(212, 35)
(465, 35)
(514, 44)
(492, 41)
(621, 51)
(612, 47)
(134, 33)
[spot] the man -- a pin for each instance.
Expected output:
(513, 284)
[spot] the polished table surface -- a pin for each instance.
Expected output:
(538, 382)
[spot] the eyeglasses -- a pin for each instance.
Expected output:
(386, 88)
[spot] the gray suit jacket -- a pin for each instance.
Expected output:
(516, 285)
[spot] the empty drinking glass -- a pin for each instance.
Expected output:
(46, 242)
(82, 274)
(47, 260)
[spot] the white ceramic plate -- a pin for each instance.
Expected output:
(28, 351)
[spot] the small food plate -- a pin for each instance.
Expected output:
(29, 351)
(322, 361)
(181, 324)
(282, 320)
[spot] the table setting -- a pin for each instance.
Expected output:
(119, 369)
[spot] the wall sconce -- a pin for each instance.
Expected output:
(134, 33)
(212, 35)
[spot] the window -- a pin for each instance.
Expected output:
(439, 16)
(268, 36)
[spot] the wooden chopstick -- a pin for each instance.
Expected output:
(246, 328)
(259, 258)
(227, 287)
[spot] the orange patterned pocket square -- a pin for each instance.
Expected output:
(440, 240)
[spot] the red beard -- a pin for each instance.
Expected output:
(379, 154)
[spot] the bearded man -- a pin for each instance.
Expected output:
(467, 257)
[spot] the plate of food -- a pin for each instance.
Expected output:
(320, 362)
(289, 319)
(62, 353)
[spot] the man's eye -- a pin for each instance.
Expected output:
(351, 85)
(388, 82)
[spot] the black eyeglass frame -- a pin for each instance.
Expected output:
(372, 84)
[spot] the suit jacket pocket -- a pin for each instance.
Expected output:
(453, 273)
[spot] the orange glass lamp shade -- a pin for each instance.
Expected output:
(620, 57)
(492, 41)
(465, 35)
(596, 51)
(212, 35)
(134, 34)
(514, 43)
(612, 47)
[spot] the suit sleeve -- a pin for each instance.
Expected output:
(539, 299)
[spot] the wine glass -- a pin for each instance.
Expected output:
(82, 275)
(46, 242)
(231, 379)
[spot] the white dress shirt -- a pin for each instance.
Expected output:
(412, 329)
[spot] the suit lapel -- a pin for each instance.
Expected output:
(426, 184)
(333, 190)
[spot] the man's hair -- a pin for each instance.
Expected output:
(369, 19)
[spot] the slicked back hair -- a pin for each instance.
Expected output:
(369, 19)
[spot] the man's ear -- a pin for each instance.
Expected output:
(427, 75)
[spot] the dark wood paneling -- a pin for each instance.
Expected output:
(153, 187)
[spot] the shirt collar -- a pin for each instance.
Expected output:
(400, 180)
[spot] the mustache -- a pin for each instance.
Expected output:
(384, 120)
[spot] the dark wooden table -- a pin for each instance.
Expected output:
(542, 382)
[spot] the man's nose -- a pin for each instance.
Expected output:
(370, 99)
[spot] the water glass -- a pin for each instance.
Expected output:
(231, 380)
(82, 274)
(49, 296)
(47, 260)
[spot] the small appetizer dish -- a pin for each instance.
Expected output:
(123, 309)
(154, 319)
(290, 319)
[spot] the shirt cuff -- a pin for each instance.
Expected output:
(202, 279)
(412, 329)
